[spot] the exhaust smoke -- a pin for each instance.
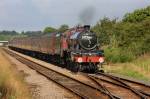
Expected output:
(86, 15)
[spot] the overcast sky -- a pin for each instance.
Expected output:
(26, 15)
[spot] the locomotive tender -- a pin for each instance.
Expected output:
(77, 48)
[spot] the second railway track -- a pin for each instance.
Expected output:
(104, 87)
(123, 88)
(131, 84)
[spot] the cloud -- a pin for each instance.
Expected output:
(36, 14)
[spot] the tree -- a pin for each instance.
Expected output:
(5, 32)
(49, 30)
(22, 32)
(105, 29)
(138, 15)
(63, 28)
(33, 33)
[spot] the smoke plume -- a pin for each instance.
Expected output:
(86, 15)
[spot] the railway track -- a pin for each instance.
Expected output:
(124, 88)
(81, 89)
(105, 86)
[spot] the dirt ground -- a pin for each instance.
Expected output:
(11, 84)
(40, 87)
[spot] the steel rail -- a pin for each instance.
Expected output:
(121, 80)
(104, 88)
(134, 82)
(129, 81)
(142, 94)
(78, 94)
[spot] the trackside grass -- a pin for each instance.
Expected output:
(139, 68)
(12, 85)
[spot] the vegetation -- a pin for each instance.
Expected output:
(8, 35)
(49, 30)
(12, 85)
(125, 40)
(32, 33)
(127, 44)
(137, 15)
(139, 68)
(61, 29)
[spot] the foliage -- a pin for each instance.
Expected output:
(9, 37)
(118, 55)
(104, 29)
(138, 68)
(137, 15)
(49, 30)
(125, 39)
(4, 32)
(63, 28)
(135, 37)
(32, 33)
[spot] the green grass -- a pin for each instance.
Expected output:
(116, 55)
(5, 37)
(9, 37)
(138, 69)
(127, 71)
(144, 63)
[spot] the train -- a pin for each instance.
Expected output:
(77, 48)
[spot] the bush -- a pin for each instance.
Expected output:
(115, 55)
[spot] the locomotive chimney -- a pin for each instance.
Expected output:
(86, 27)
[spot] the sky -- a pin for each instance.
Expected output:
(32, 15)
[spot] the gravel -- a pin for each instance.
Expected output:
(41, 87)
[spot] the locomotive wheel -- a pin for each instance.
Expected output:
(91, 68)
(94, 69)
(67, 60)
(69, 65)
(76, 67)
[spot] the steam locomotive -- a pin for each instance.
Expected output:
(77, 48)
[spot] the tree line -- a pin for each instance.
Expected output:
(127, 39)
(61, 29)
(47, 30)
